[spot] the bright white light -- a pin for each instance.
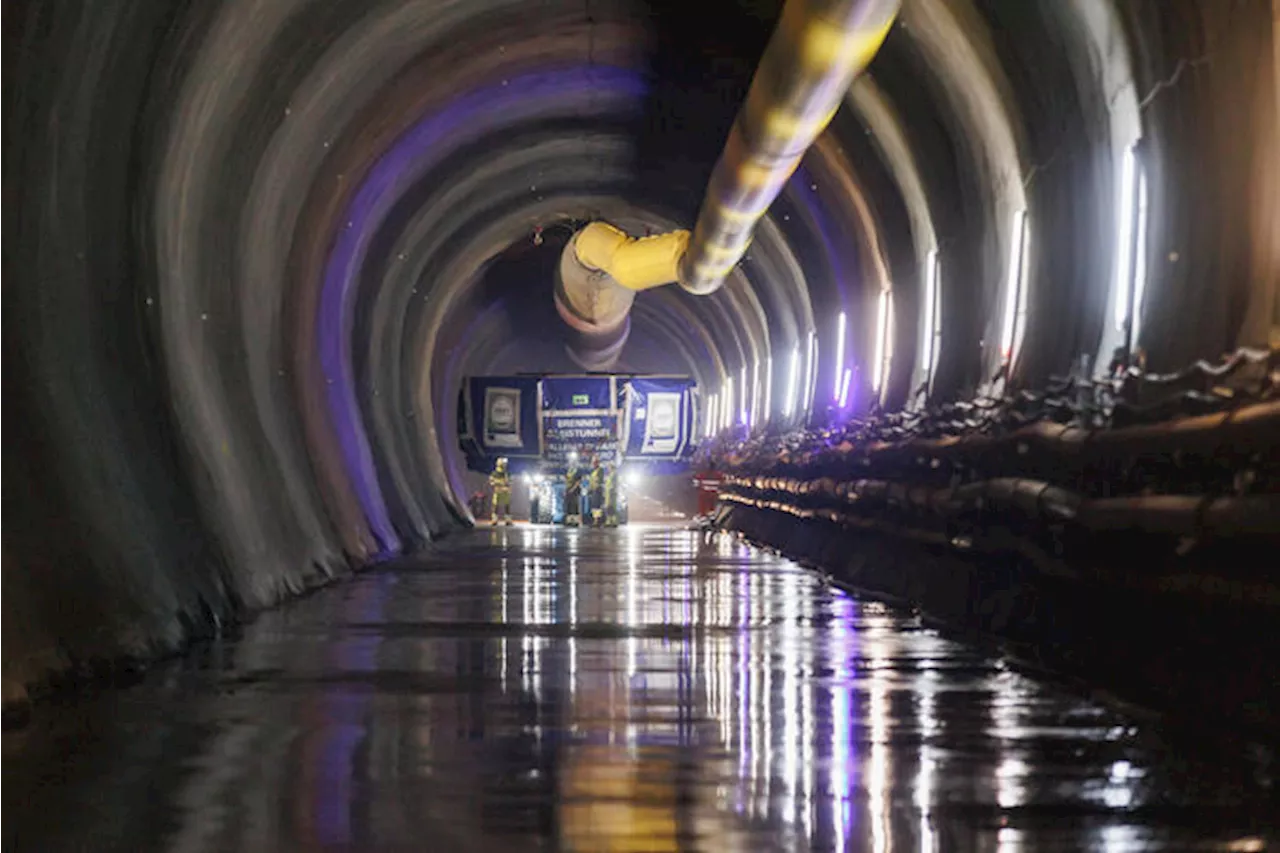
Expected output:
(1140, 260)
(727, 410)
(768, 387)
(811, 389)
(538, 478)
(712, 425)
(808, 372)
(930, 298)
(937, 321)
(573, 456)
(882, 329)
(1124, 245)
(528, 480)
(838, 373)
(844, 387)
(793, 383)
(755, 393)
(1013, 307)
(888, 338)
(632, 476)
(742, 406)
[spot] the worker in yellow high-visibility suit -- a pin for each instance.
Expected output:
(610, 495)
(500, 485)
(596, 488)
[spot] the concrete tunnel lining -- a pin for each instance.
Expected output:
(180, 179)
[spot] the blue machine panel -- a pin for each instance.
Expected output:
(660, 418)
(502, 419)
(576, 393)
(538, 421)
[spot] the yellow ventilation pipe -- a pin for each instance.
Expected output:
(817, 49)
(635, 263)
(804, 74)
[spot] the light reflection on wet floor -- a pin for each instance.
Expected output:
(642, 689)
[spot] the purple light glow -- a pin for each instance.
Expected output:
(432, 138)
(453, 470)
(342, 711)
(844, 388)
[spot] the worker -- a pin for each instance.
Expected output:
(596, 488)
(611, 495)
(584, 503)
(573, 493)
(500, 484)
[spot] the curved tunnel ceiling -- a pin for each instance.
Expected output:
(257, 244)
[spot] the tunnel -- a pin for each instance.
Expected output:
(254, 249)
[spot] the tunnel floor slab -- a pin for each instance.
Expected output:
(647, 688)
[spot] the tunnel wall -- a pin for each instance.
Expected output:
(109, 554)
(234, 233)
(245, 242)
(1210, 95)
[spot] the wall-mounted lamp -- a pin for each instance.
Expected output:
(838, 373)
(1015, 307)
(793, 383)
(931, 337)
(884, 340)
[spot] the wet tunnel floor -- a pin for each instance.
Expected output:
(647, 688)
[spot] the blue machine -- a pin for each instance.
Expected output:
(538, 421)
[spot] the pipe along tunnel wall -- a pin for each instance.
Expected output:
(1125, 615)
(252, 246)
(1062, 544)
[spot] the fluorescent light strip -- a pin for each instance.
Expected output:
(882, 321)
(755, 393)
(711, 416)
(1140, 259)
(1013, 287)
(808, 374)
(742, 407)
(1124, 244)
(727, 409)
(936, 333)
(838, 373)
(844, 388)
(888, 338)
(1020, 315)
(930, 296)
(811, 389)
(793, 379)
(768, 388)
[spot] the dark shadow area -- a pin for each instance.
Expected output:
(698, 77)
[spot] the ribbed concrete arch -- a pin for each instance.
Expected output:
(890, 138)
(1106, 51)
(954, 43)
(248, 238)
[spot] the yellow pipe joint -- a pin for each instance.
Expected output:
(804, 74)
(636, 263)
